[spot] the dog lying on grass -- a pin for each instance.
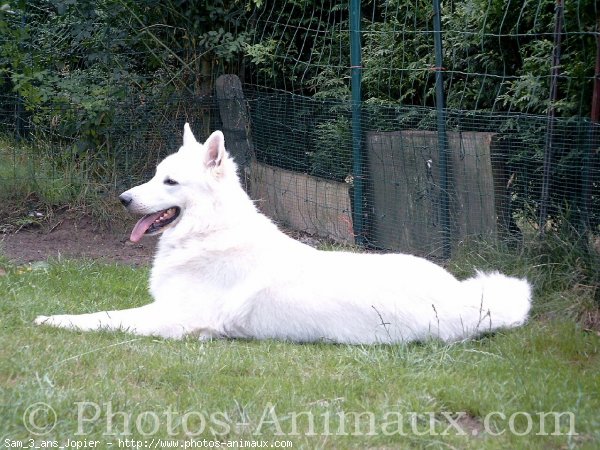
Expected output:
(224, 270)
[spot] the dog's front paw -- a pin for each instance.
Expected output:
(41, 320)
(62, 321)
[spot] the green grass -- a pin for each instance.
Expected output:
(28, 175)
(96, 382)
(44, 177)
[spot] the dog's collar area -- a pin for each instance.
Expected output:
(154, 223)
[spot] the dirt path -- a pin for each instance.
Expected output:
(75, 238)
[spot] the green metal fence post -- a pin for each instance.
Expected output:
(20, 110)
(441, 129)
(549, 146)
(592, 143)
(357, 140)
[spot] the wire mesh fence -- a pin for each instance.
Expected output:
(507, 145)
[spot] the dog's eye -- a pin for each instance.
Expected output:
(170, 182)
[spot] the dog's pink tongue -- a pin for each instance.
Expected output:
(142, 225)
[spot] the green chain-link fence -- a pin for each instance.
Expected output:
(103, 89)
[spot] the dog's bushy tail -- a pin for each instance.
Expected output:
(503, 301)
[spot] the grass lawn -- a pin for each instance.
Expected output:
(533, 387)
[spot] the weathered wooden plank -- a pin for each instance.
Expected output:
(404, 180)
(303, 202)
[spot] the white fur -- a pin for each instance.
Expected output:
(222, 269)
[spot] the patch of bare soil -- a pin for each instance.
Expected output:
(73, 236)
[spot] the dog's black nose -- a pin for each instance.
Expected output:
(125, 199)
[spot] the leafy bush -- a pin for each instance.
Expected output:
(332, 157)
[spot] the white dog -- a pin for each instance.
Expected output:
(223, 270)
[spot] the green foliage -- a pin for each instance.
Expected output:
(300, 46)
(497, 55)
(74, 64)
(398, 54)
(321, 146)
(263, 55)
(528, 88)
(332, 157)
(91, 54)
(68, 70)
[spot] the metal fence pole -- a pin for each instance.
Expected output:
(357, 140)
(441, 129)
(593, 142)
(549, 147)
(20, 110)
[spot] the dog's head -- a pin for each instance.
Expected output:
(185, 183)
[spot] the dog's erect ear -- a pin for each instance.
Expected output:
(188, 136)
(215, 149)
